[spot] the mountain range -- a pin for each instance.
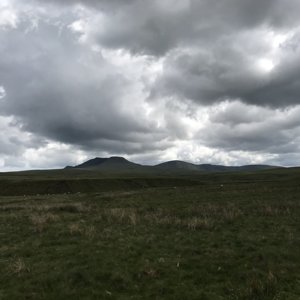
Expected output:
(120, 164)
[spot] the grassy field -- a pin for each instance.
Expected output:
(223, 236)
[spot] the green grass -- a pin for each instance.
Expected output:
(215, 237)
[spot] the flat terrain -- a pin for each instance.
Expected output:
(77, 235)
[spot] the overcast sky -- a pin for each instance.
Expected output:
(205, 81)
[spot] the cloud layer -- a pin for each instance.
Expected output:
(206, 81)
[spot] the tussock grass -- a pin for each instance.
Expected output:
(238, 242)
(198, 223)
(75, 228)
(122, 215)
(17, 266)
(264, 288)
(80, 228)
(41, 221)
(269, 210)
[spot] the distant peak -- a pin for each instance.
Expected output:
(120, 163)
(118, 158)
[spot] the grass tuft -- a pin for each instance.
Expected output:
(198, 223)
(18, 267)
(41, 221)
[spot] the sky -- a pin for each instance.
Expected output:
(204, 81)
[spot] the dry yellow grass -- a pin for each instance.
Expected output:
(17, 266)
(79, 228)
(75, 228)
(122, 215)
(41, 221)
(198, 223)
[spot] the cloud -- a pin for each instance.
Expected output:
(212, 51)
(201, 80)
(2, 92)
(72, 94)
(249, 66)
(13, 141)
(234, 126)
(8, 16)
(155, 27)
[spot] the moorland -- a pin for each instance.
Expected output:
(78, 233)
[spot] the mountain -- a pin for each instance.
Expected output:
(114, 163)
(249, 168)
(120, 164)
(246, 168)
(92, 163)
(177, 165)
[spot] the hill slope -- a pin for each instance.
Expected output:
(177, 165)
(120, 164)
(114, 163)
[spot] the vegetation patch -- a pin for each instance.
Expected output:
(238, 241)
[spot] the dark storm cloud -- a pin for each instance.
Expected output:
(250, 128)
(59, 90)
(62, 76)
(155, 27)
(211, 47)
(230, 70)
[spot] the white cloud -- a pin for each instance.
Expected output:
(152, 81)
(2, 92)
(8, 18)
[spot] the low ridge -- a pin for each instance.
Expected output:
(178, 165)
(120, 164)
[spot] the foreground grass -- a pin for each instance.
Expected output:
(219, 241)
